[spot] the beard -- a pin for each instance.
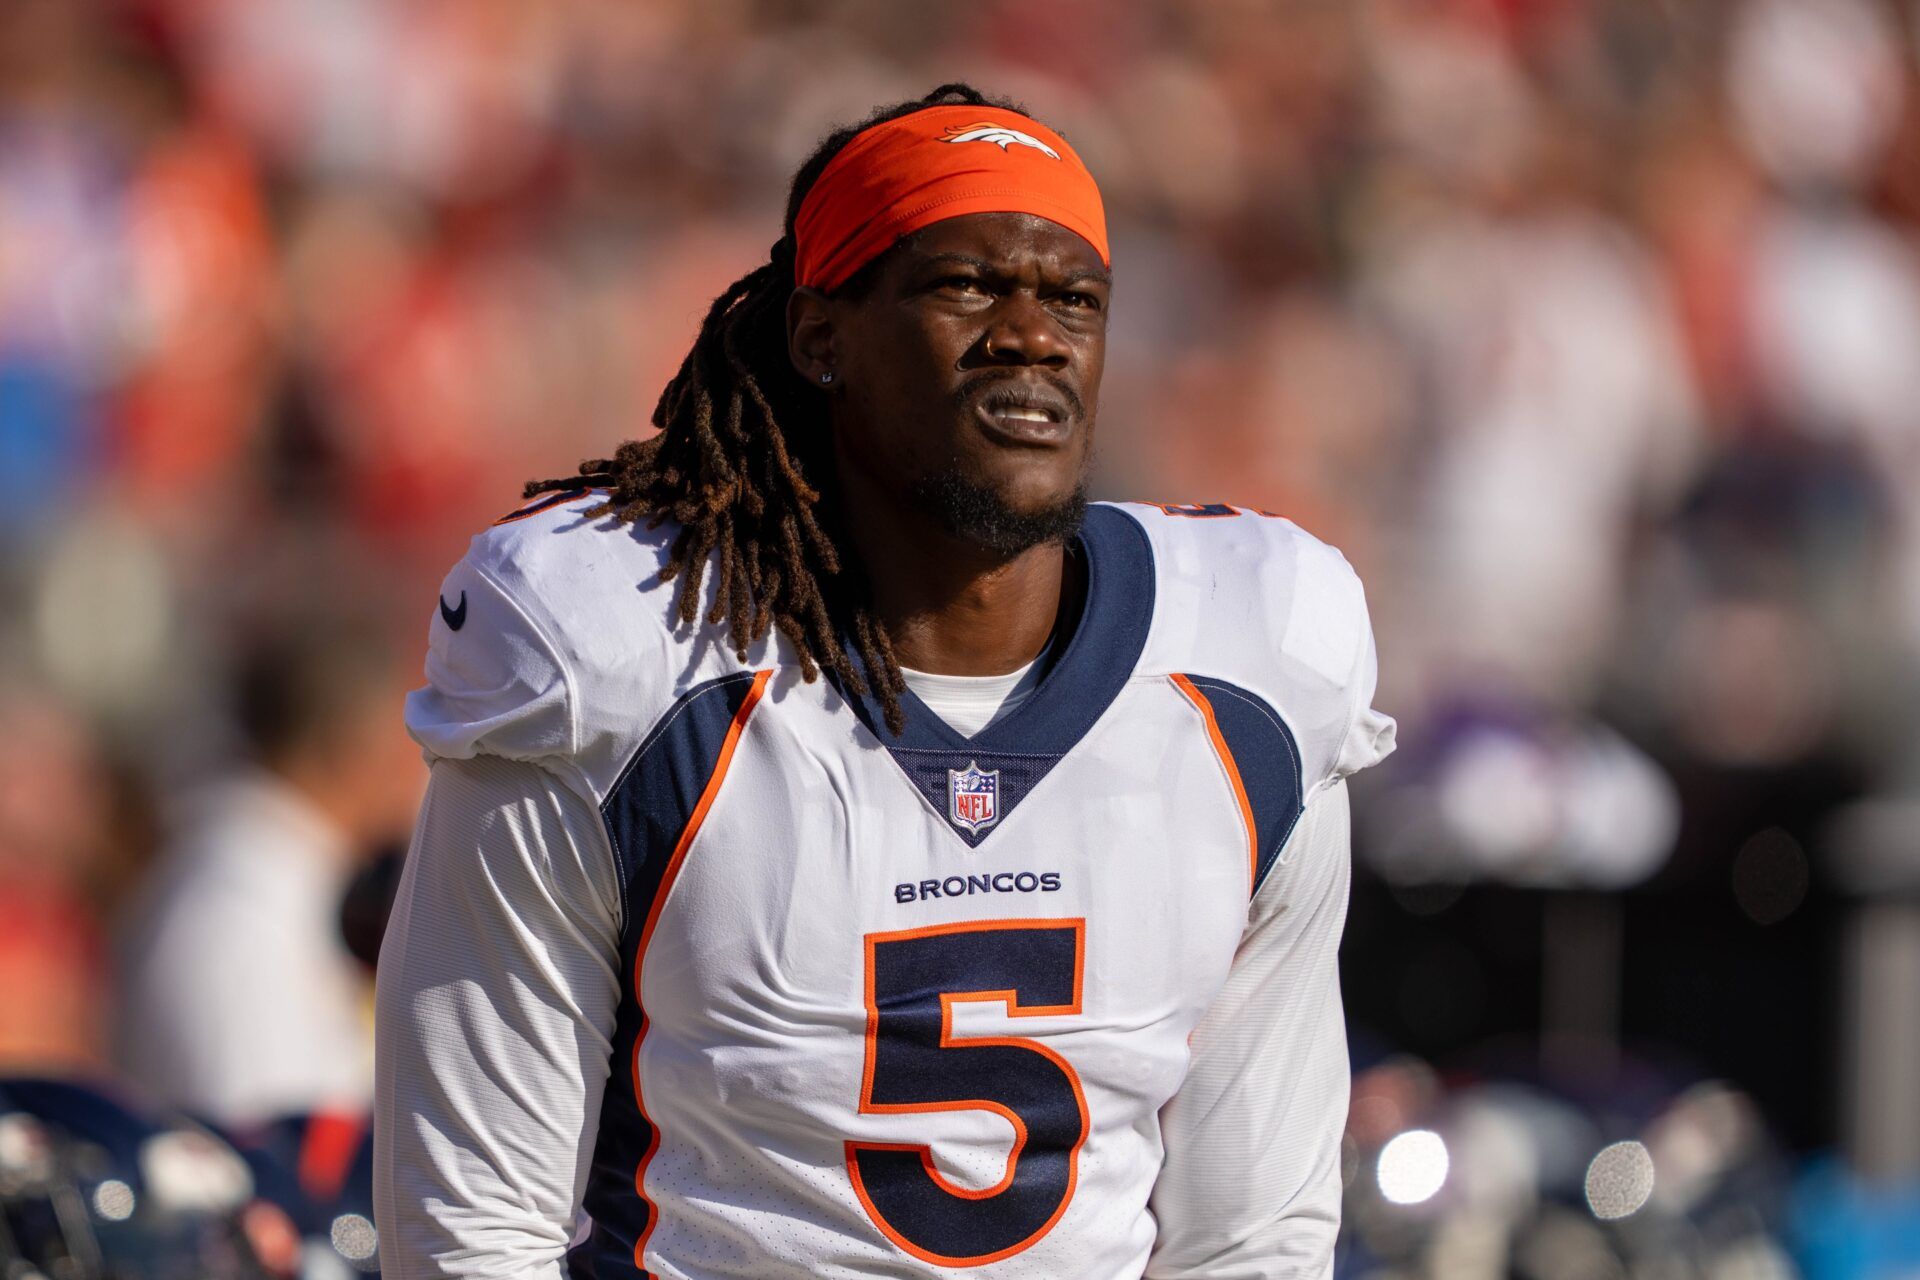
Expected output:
(976, 513)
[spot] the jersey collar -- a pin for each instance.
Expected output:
(1092, 667)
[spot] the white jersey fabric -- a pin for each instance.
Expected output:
(700, 970)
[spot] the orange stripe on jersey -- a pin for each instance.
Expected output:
(547, 502)
(1199, 700)
(667, 877)
(1209, 510)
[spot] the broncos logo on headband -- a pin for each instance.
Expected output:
(999, 134)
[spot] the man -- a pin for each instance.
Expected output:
(240, 1000)
(1009, 946)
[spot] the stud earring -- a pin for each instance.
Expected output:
(825, 378)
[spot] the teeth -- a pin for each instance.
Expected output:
(1027, 415)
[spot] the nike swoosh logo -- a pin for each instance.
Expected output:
(457, 617)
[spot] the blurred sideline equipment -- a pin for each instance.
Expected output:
(91, 1189)
(1489, 1177)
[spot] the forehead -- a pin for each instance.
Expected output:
(1010, 242)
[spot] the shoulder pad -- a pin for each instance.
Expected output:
(554, 639)
(1252, 600)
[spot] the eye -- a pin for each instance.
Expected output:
(967, 286)
(1076, 304)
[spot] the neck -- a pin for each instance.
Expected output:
(950, 607)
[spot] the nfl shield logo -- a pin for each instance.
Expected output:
(973, 797)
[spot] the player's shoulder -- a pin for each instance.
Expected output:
(1250, 604)
(556, 614)
(1230, 577)
(1213, 533)
(554, 556)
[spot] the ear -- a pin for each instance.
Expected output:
(811, 341)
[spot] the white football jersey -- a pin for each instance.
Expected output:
(882, 1005)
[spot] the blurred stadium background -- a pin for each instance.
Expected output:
(1590, 329)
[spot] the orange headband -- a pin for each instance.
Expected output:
(931, 165)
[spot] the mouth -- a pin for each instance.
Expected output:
(1025, 418)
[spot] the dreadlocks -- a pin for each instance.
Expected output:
(739, 434)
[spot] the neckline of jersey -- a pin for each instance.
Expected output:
(1095, 664)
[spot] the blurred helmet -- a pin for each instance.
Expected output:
(92, 1188)
(318, 1169)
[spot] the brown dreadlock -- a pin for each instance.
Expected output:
(740, 432)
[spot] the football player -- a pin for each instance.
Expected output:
(850, 853)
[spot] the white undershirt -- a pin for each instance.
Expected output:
(971, 703)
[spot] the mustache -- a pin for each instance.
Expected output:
(980, 386)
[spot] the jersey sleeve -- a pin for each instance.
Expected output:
(495, 1011)
(496, 683)
(497, 982)
(1327, 670)
(1368, 735)
(1250, 1186)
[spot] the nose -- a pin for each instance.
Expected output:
(1020, 331)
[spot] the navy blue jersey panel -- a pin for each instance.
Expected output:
(1268, 758)
(606, 1253)
(655, 795)
(645, 814)
(1091, 668)
(619, 1214)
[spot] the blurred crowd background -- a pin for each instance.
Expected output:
(1589, 329)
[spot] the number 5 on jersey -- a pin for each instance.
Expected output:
(914, 1064)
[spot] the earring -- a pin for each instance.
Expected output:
(825, 378)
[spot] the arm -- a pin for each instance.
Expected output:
(1250, 1187)
(497, 990)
